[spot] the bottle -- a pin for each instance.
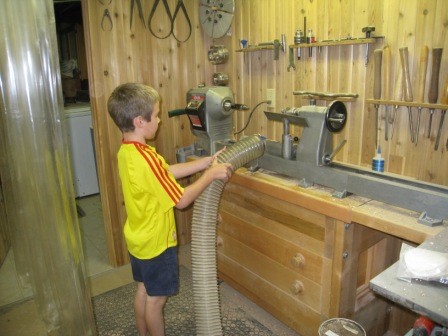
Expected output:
(310, 37)
(378, 161)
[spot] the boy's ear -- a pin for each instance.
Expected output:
(137, 122)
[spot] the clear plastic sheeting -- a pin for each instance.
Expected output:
(36, 175)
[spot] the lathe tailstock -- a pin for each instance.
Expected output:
(310, 160)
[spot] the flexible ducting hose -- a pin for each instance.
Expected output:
(203, 243)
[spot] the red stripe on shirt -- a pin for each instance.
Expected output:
(164, 173)
(162, 176)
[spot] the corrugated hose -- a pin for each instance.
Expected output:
(207, 308)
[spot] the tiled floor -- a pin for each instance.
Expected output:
(16, 302)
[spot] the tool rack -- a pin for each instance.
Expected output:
(315, 44)
(407, 104)
(349, 41)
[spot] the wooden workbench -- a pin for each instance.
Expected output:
(306, 256)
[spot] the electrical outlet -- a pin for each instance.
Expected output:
(270, 95)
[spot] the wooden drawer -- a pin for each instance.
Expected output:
(273, 228)
(273, 252)
(292, 283)
(259, 288)
(257, 233)
(307, 222)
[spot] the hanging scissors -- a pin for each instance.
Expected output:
(180, 6)
(140, 12)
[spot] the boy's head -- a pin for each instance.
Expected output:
(129, 101)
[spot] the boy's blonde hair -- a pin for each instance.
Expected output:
(129, 101)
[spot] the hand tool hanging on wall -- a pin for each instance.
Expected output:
(444, 101)
(368, 30)
(140, 13)
(386, 86)
(277, 46)
(172, 18)
(433, 92)
(106, 18)
(377, 57)
(398, 96)
(421, 86)
(291, 59)
(408, 95)
(298, 39)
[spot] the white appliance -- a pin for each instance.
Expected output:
(82, 156)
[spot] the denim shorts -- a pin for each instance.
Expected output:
(160, 275)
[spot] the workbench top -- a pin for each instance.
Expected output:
(383, 217)
(426, 298)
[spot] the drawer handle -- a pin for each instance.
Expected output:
(298, 260)
(296, 287)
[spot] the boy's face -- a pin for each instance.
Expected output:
(150, 127)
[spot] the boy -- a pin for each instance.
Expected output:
(150, 193)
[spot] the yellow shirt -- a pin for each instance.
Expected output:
(150, 194)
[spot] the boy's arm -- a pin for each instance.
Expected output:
(180, 170)
(221, 171)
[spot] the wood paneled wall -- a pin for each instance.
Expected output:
(122, 55)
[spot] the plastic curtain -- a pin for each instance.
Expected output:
(39, 194)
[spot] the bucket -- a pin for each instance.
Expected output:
(341, 327)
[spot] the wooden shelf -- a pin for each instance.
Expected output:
(315, 44)
(256, 48)
(410, 104)
(336, 43)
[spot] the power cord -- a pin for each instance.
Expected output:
(250, 116)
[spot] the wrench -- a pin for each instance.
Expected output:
(291, 59)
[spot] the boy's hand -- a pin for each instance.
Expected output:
(221, 171)
(214, 158)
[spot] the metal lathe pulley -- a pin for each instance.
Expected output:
(336, 116)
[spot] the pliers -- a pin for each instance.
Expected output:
(140, 13)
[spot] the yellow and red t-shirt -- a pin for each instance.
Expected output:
(150, 194)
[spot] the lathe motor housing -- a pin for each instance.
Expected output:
(210, 114)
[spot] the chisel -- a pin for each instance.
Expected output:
(444, 101)
(398, 96)
(377, 56)
(421, 86)
(433, 92)
(408, 96)
(386, 86)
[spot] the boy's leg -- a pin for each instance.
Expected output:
(154, 315)
(139, 309)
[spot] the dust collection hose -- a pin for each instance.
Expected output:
(203, 240)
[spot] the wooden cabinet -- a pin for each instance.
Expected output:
(274, 253)
(298, 254)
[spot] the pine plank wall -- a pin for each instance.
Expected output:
(122, 55)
